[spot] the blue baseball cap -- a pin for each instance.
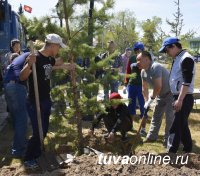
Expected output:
(168, 41)
(138, 45)
(128, 49)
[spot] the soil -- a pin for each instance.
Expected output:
(89, 164)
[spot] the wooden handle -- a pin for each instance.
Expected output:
(37, 100)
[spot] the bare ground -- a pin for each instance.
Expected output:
(89, 164)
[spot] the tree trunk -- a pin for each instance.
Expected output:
(76, 96)
(90, 24)
(77, 108)
(66, 19)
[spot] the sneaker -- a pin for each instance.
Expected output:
(143, 132)
(106, 135)
(31, 164)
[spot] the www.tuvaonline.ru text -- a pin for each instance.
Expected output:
(143, 159)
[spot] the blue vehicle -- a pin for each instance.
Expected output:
(10, 28)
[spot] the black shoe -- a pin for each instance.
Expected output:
(31, 164)
(124, 138)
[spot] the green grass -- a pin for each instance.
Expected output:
(197, 77)
(157, 147)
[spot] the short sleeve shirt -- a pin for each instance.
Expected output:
(44, 67)
(156, 71)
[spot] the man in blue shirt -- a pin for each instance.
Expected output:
(15, 94)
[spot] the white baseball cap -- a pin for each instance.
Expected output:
(55, 38)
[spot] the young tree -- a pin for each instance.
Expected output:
(80, 100)
(177, 24)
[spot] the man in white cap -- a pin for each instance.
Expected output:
(181, 82)
(45, 62)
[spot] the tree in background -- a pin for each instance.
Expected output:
(177, 24)
(150, 29)
(121, 29)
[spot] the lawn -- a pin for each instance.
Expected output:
(197, 76)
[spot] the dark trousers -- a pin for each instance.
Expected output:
(34, 145)
(122, 127)
(180, 131)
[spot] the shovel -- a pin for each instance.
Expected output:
(137, 139)
(47, 161)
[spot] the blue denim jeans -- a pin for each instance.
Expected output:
(135, 92)
(15, 95)
(34, 145)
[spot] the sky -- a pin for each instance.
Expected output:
(143, 10)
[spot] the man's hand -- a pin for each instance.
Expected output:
(91, 132)
(124, 90)
(133, 65)
(177, 105)
(31, 59)
(111, 137)
(148, 103)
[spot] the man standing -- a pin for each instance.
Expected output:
(45, 63)
(111, 71)
(157, 76)
(125, 58)
(134, 83)
(16, 94)
(182, 85)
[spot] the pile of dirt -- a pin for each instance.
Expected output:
(115, 159)
(90, 166)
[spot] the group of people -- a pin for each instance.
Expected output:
(172, 93)
(20, 95)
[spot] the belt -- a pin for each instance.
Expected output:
(12, 81)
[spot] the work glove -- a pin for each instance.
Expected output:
(148, 103)
(124, 90)
(133, 65)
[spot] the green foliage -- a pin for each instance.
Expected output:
(150, 28)
(39, 28)
(122, 29)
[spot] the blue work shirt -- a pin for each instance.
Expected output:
(13, 70)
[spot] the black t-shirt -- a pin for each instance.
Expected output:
(43, 68)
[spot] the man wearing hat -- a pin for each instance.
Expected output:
(45, 62)
(134, 83)
(181, 82)
(116, 119)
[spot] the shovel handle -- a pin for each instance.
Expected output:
(143, 119)
(37, 101)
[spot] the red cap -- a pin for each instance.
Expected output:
(115, 95)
